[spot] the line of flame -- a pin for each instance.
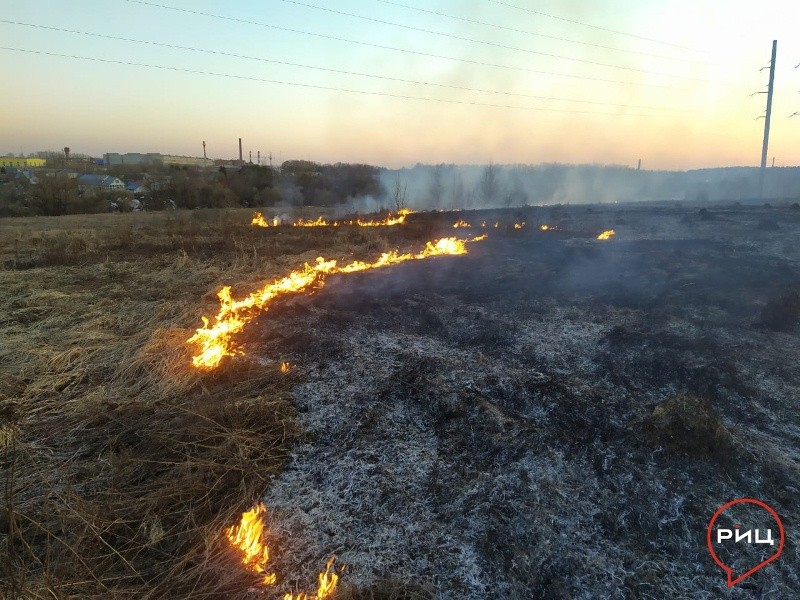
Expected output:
(399, 219)
(214, 340)
(607, 235)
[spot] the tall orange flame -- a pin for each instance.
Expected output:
(247, 537)
(607, 235)
(258, 220)
(326, 587)
(214, 341)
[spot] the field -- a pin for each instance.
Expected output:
(549, 416)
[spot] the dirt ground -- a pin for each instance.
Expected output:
(549, 416)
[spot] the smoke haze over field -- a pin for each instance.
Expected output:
(497, 186)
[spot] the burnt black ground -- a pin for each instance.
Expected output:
(514, 424)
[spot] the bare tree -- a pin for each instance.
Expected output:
(489, 184)
(436, 190)
(457, 190)
(399, 191)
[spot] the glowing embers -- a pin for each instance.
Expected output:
(607, 235)
(519, 225)
(546, 227)
(214, 339)
(461, 224)
(248, 538)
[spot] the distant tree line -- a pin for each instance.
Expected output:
(295, 183)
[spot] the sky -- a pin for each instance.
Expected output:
(396, 82)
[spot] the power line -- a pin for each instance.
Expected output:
(383, 47)
(574, 22)
(326, 69)
(484, 42)
(315, 86)
(533, 33)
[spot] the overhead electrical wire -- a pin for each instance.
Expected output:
(325, 69)
(534, 33)
(318, 87)
(393, 48)
(576, 22)
(484, 42)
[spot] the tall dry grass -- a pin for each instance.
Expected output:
(121, 464)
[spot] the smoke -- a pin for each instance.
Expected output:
(434, 187)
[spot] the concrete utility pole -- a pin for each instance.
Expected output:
(765, 146)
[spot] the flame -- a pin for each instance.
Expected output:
(461, 223)
(519, 225)
(285, 366)
(607, 235)
(389, 220)
(319, 222)
(214, 341)
(247, 537)
(399, 219)
(496, 225)
(327, 585)
(258, 220)
(483, 224)
(544, 227)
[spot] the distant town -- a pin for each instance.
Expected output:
(51, 183)
(54, 183)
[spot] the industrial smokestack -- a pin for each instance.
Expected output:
(204, 149)
(66, 152)
(259, 158)
(241, 160)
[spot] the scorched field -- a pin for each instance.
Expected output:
(475, 404)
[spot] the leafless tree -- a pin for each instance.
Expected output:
(436, 190)
(489, 184)
(399, 190)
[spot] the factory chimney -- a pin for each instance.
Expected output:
(204, 149)
(241, 160)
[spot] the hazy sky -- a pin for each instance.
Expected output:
(670, 84)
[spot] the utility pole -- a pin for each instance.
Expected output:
(765, 146)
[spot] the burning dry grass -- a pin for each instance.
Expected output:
(123, 465)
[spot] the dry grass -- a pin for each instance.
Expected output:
(121, 464)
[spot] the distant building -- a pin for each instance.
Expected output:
(187, 161)
(113, 159)
(10, 161)
(106, 183)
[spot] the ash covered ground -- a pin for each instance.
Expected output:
(550, 416)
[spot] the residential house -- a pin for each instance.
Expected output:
(106, 183)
